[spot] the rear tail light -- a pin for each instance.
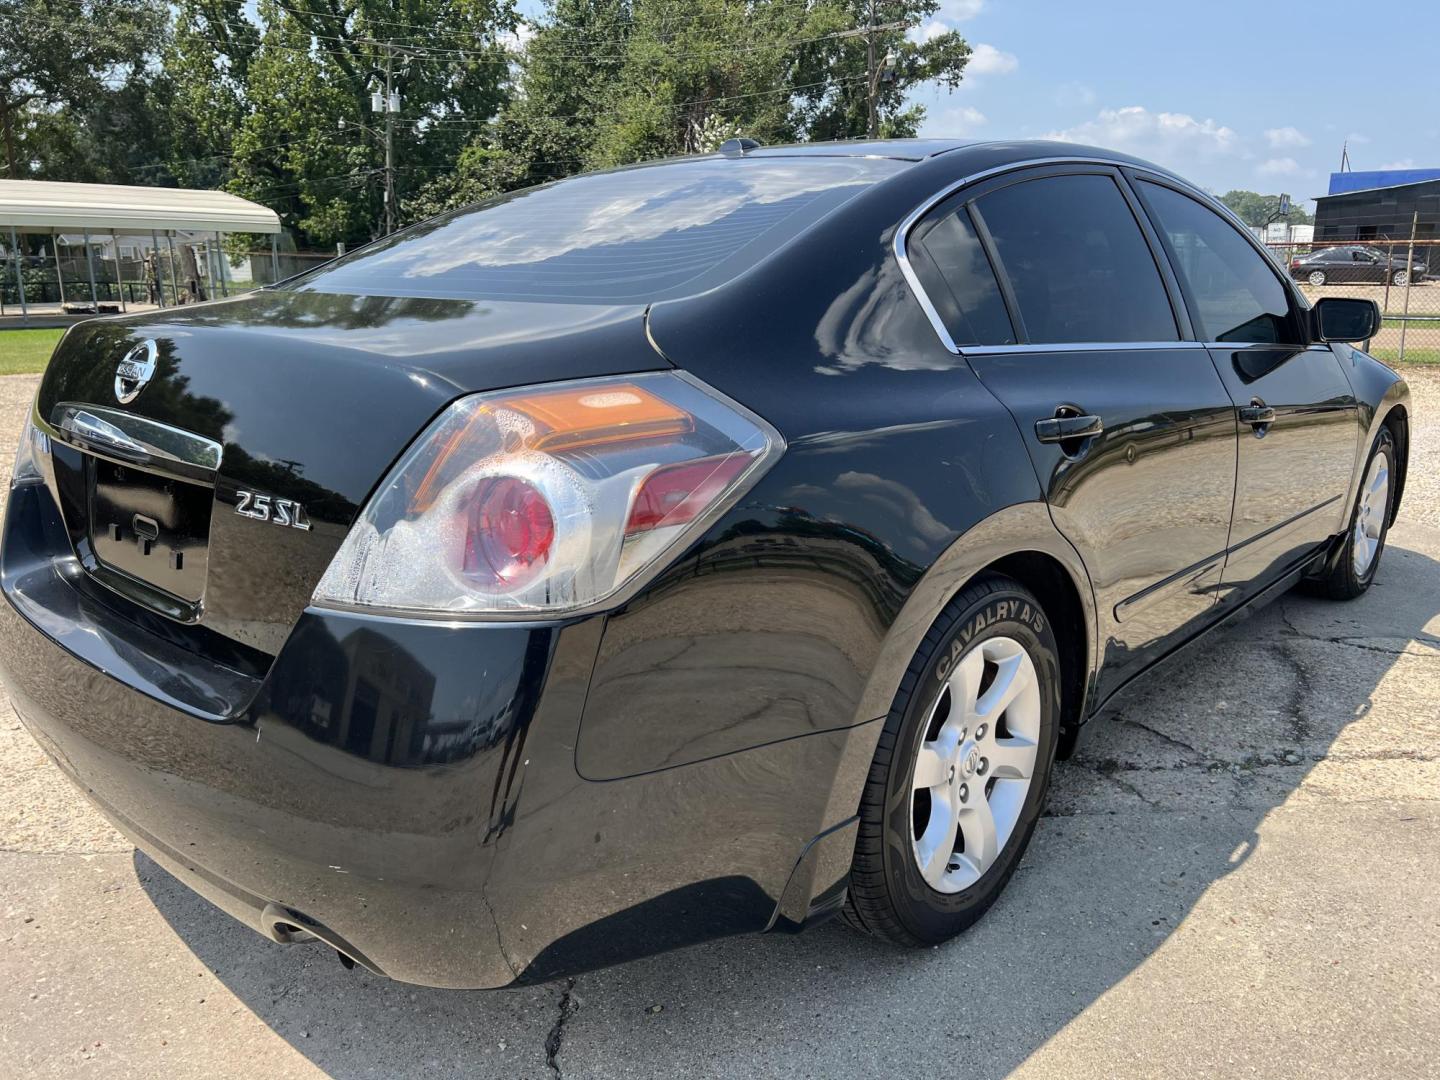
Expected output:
(549, 499)
(32, 451)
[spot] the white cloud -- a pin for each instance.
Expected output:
(1170, 138)
(1283, 137)
(961, 120)
(1357, 138)
(960, 10)
(928, 31)
(1074, 93)
(988, 60)
(1283, 166)
(1403, 163)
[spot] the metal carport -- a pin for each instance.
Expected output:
(54, 209)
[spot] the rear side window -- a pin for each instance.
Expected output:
(1077, 262)
(960, 281)
(1234, 293)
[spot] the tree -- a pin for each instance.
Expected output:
(1258, 210)
(275, 100)
(610, 82)
(842, 75)
(71, 84)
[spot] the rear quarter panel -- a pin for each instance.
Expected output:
(799, 611)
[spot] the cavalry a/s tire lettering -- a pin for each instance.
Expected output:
(888, 894)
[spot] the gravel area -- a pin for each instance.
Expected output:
(1422, 482)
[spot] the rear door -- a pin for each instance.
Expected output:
(1130, 430)
(1299, 418)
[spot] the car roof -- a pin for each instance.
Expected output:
(964, 156)
(899, 149)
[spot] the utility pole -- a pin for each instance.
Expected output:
(1409, 273)
(390, 111)
(872, 83)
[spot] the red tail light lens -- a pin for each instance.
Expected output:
(677, 494)
(509, 532)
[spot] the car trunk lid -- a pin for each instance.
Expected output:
(208, 461)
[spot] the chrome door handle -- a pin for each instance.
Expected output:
(1257, 413)
(1063, 428)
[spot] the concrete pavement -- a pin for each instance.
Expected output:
(1238, 876)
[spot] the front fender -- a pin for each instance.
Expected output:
(1379, 391)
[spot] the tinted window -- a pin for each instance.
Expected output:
(964, 290)
(1077, 261)
(635, 235)
(1235, 294)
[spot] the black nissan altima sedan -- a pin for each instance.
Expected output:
(704, 547)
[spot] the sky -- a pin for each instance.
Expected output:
(1230, 94)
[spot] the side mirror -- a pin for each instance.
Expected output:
(1342, 318)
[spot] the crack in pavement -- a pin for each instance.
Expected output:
(1160, 735)
(569, 1006)
(1108, 766)
(1353, 642)
(1107, 769)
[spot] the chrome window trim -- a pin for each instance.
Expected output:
(902, 234)
(1081, 346)
(913, 218)
(1233, 346)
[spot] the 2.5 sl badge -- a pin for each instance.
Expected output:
(286, 512)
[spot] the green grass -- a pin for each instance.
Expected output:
(24, 352)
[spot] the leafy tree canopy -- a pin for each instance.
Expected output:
(75, 87)
(272, 99)
(1256, 210)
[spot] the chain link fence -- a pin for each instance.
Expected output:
(1404, 279)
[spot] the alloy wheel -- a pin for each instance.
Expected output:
(1317, 277)
(1370, 516)
(975, 764)
(1401, 278)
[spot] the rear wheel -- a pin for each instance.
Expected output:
(962, 768)
(1317, 277)
(1355, 565)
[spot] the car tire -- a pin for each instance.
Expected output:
(1400, 279)
(1316, 278)
(1354, 565)
(993, 636)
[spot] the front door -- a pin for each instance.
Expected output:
(1299, 420)
(1129, 429)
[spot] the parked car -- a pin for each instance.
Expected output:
(1355, 264)
(707, 547)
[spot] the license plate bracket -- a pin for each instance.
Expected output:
(150, 527)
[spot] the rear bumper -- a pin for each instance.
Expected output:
(407, 791)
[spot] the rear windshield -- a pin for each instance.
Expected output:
(632, 236)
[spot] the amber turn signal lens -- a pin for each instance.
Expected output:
(572, 418)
